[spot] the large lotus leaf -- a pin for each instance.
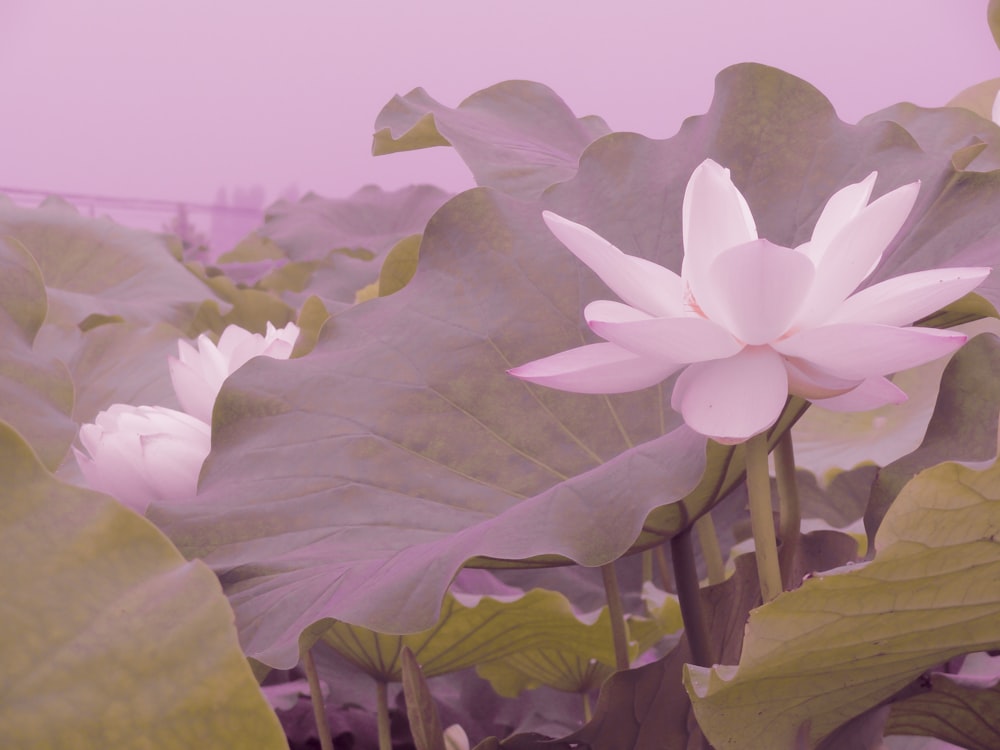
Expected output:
(963, 426)
(516, 136)
(352, 483)
(94, 266)
(559, 669)
(108, 638)
(36, 392)
(342, 240)
(568, 668)
(123, 363)
(978, 98)
(477, 629)
(968, 137)
(788, 154)
(846, 641)
(251, 309)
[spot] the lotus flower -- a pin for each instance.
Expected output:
(198, 374)
(749, 321)
(142, 454)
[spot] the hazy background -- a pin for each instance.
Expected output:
(175, 99)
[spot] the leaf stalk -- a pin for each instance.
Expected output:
(762, 517)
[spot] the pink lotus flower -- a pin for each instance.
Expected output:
(144, 454)
(198, 374)
(750, 321)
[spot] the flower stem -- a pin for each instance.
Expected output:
(647, 566)
(788, 500)
(709, 543)
(689, 597)
(762, 517)
(588, 712)
(316, 697)
(617, 612)
(666, 577)
(382, 715)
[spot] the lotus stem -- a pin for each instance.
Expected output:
(666, 577)
(382, 715)
(617, 613)
(762, 517)
(710, 552)
(689, 597)
(316, 697)
(791, 513)
(588, 712)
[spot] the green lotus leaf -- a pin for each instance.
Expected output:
(96, 266)
(122, 363)
(993, 18)
(36, 391)
(399, 266)
(565, 667)
(962, 131)
(354, 483)
(963, 426)
(516, 136)
(476, 629)
(551, 667)
(108, 637)
(978, 98)
(827, 441)
(334, 245)
(248, 308)
(846, 641)
(963, 708)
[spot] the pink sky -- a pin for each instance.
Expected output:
(174, 99)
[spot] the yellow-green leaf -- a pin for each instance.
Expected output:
(848, 640)
(963, 709)
(565, 668)
(399, 265)
(108, 637)
(476, 630)
(978, 98)
(993, 18)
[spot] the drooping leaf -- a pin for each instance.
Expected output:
(963, 426)
(108, 637)
(36, 392)
(23, 303)
(846, 641)
(354, 482)
(963, 708)
(474, 629)
(571, 666)
(827, 441)
(516, 136)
